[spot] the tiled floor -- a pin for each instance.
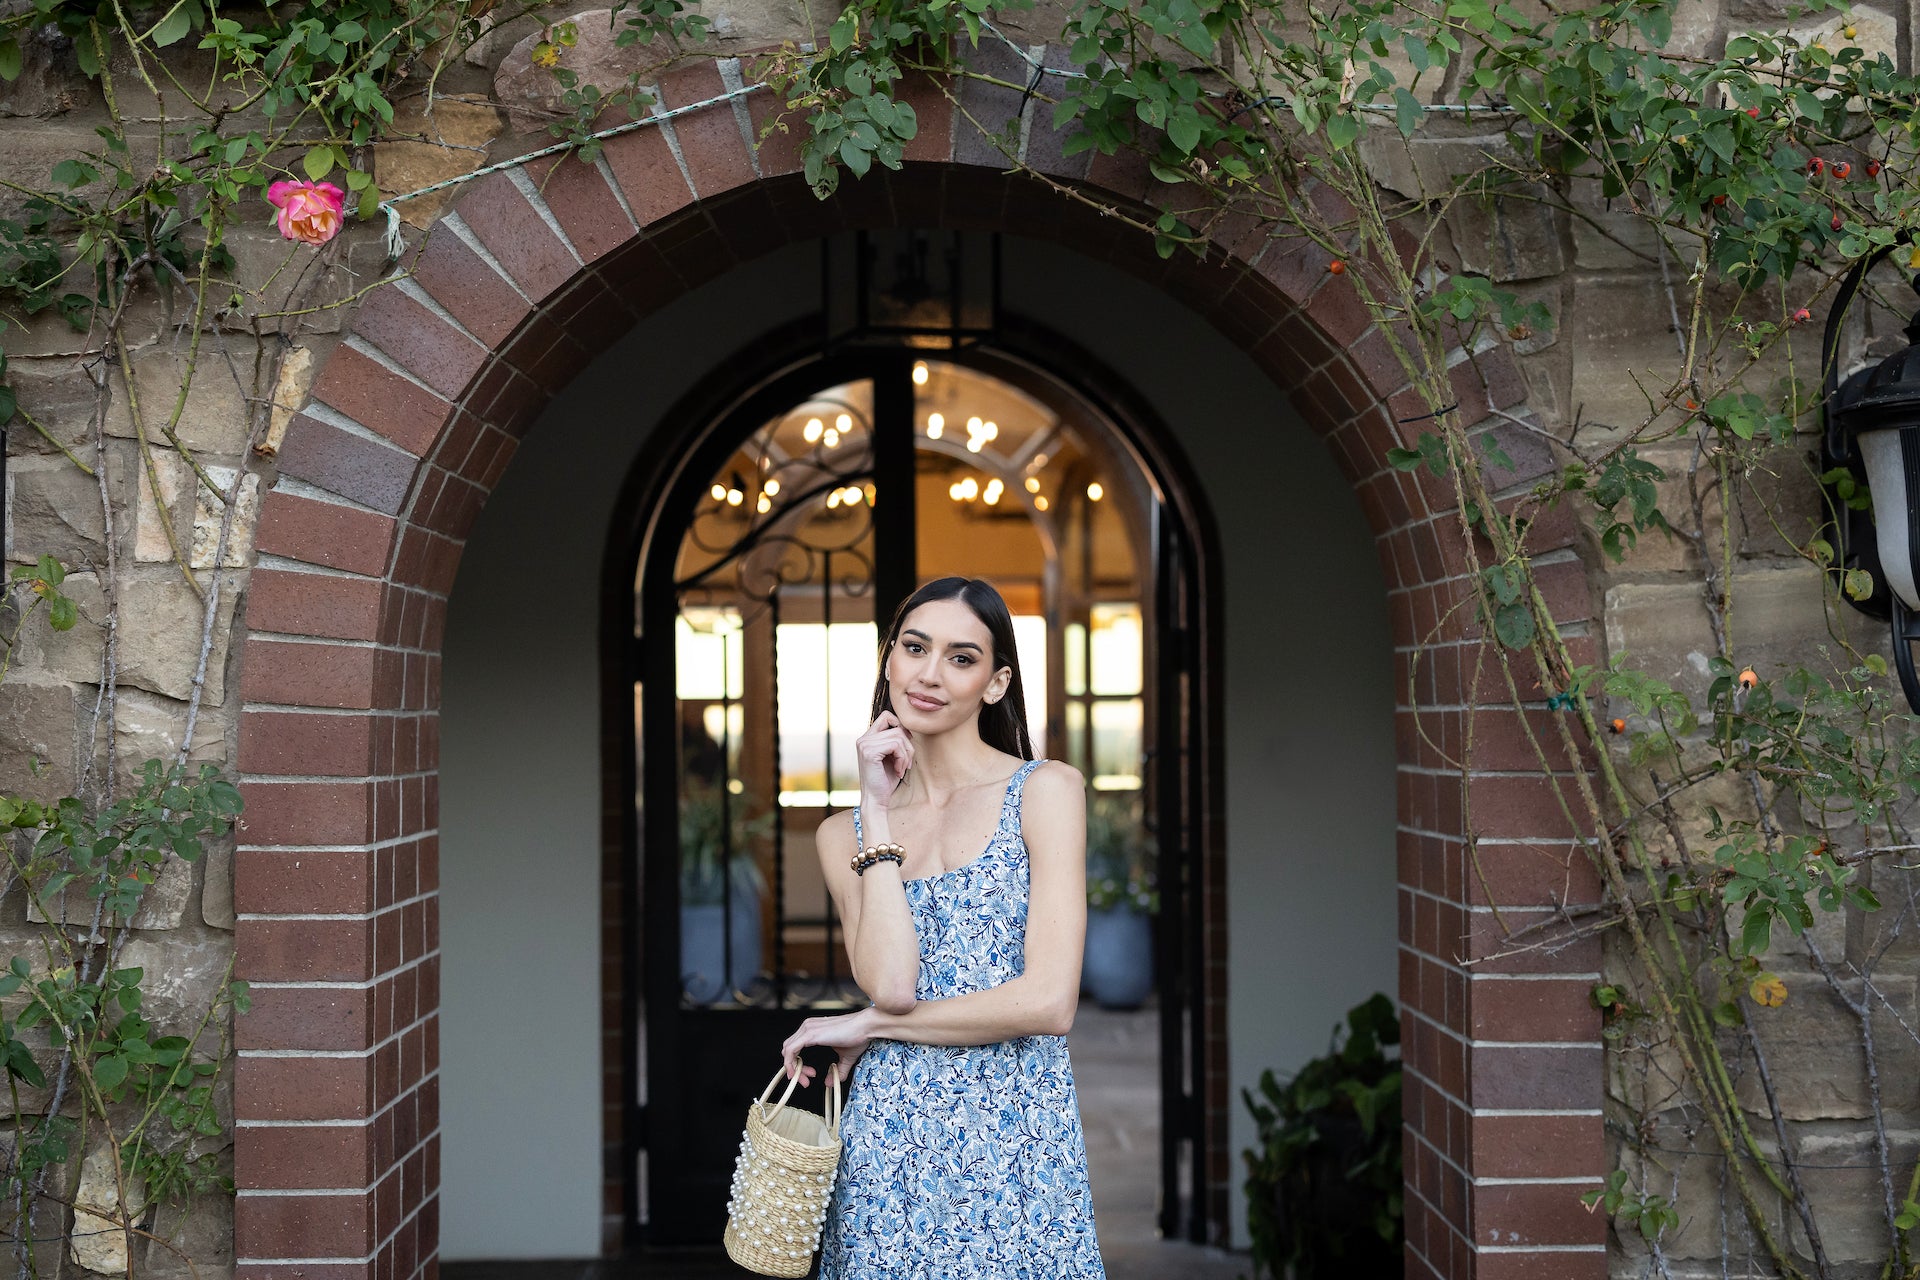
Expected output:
(1115, 1067)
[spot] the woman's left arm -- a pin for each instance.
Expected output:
(1043, 999)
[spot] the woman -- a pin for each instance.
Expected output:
(964, 1158)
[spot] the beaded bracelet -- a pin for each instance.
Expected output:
(879, 853)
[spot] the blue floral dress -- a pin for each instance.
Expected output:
(965, 1163)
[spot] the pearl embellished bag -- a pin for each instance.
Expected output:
(781, 1182)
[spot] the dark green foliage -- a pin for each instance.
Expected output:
(1324, 1183)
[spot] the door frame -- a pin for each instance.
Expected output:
(671, 469)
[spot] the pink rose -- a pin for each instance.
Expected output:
(309, 211)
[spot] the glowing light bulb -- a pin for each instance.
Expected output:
(974, 443)
(735, 497)
(1040, 503)
(869, 491)
(831, 439)
(844, 422)
(953, 491)
(1095, 492)
(936, 424)
(764, 505)
(919, 373)
(994, 490)
(719, 493)
(991, 430)
(812, 434)
(969, 488)
(1033, 484)
(833, 499)
(974, 425)
(772, 487)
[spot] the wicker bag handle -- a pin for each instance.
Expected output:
(833, 1098)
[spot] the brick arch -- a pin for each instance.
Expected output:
(415, 417)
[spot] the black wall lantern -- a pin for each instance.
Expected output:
(1873, 426)
(934, 290)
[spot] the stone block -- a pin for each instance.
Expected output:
(159, 634)
(1425, 167)
(53, 507)
(1517, 236)
(33, 153)
(217, 414)
(276, 275)
(96, 1245)
(1662, 628)
(40, 752)
(1891, 935)
(1841, 1172)
(1815, 1054)
(443, 140)
(194, 513)
(183, 978)
(149, 728)
(1607, 234)
(1686, 1166)
(216, 887)
(198, 1236)
(49, 83)
(163, 906)
(290, 389)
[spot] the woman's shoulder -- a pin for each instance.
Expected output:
(1055, 782)
(835, 828)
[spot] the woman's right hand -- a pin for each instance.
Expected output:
(886, 753)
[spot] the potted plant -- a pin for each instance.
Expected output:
(707, 972)
(1117, 968)
(1323, 1185)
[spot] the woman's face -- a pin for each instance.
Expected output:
(940, 672)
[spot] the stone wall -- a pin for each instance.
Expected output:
(1601, 277)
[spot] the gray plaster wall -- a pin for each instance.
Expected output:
(1309, 732)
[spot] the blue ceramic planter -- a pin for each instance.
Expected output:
(703, 948)
(1117, 970)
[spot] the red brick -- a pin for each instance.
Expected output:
(304, 950)
(1535, 1079)
(1525, 808)
(325, 533)
(303, 813)
(583, 204)
(306, 743)
(933, 115)
(1537, 1146)
(778, 150)
(1534, 1010)
(1531, 875)
(283, 1089)
(419, 341)
(303, 881)
(1558, 1265)
(472, 291)
(364, 469)
(332, 1018)
(294, 1270)
(313, 604)
(381, 400)
(294, 673)
(1519, 1214)
(499, 213)
(710, 140)
(304, 1226)
(649, 176)
(316, 1157)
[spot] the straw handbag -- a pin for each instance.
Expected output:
(788, 1159)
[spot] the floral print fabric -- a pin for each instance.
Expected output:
(965, 1163)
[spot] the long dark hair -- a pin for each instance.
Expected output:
(1003, 724)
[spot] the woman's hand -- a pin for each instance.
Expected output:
(886, 753)
(847, 1034)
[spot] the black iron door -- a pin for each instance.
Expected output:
(1174, 812)
(792, 524)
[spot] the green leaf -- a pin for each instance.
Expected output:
(62, 613)
(1183, 129)
(1406, 111)
(1757, 931)
(1342, 130)
(9, 59)
(109, 1071)
(855, 157)
(175, 25)
(1859, 584)
(1513, 623)
(841, 37)
(318, 163)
